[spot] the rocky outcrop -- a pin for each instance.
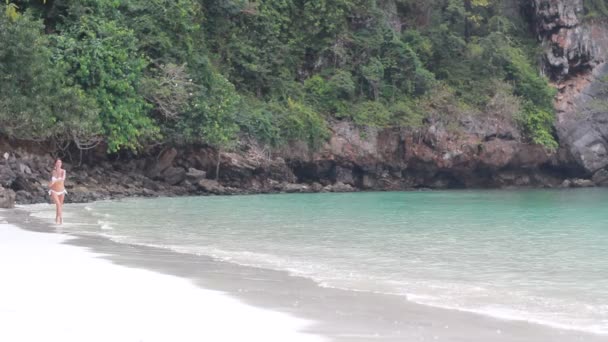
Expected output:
(575, 59)
(475, 152)
(570, 46)
(7, 198)
(211, 186)
(553, 15)
(582, 121)
(194, 175)
(174, 175)
(162, 163)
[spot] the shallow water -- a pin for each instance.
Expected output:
(539, 256)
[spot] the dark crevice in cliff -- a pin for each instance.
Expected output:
(310, 172)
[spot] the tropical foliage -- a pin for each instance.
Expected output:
(133, 73)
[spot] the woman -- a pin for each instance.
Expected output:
(57, 189)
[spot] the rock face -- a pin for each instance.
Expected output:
(477, 154)
(480, 152)
(568, 44)
(164, 161)
(575, 58)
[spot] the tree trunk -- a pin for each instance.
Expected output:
(217, 166)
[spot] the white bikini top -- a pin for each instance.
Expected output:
(53, 178)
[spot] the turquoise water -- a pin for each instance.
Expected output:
(539, 256)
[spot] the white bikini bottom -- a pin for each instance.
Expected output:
(62, 192)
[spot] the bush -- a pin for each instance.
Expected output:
(595, 8)
(300, 122)
(371, 113)
(503, 104)
(319, 93)
(537, 124)
(259, 120)
(277, 123)
(406, 113)
(342, 85)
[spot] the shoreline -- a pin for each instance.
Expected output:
(340, 315)
(73, 293)
(190, 170)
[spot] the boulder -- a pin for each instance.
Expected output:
(174, 175)
(316, 187)
(600, 178)
(236, 168)
(582, 183)
(195, 175)
(150, 184)
(587, 141)
(293, 188)
(24, 197)
(189, 186)
(273, 185)
(21, 183)
(164, 161)
(339, 187)
(211, 186)
(7, 176)
(148, 193)
(80, 189)
(7, 198)
(25, 169)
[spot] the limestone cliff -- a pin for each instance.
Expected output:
(575, 59)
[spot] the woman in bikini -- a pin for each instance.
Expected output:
(57, 189)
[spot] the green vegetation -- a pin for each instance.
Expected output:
(596, 8)
(132, 73)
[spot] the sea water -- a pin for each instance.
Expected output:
(534, 255)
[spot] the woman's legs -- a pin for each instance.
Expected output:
(61, 198)
(57, 202)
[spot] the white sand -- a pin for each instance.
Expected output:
(51, 291)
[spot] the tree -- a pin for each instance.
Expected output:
(169, 89)
(102, 58)
(212, 117)
(37, 100)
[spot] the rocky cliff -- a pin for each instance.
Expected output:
(477, 153)
(575, 59)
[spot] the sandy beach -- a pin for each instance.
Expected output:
(73, 287)
(51, 291)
